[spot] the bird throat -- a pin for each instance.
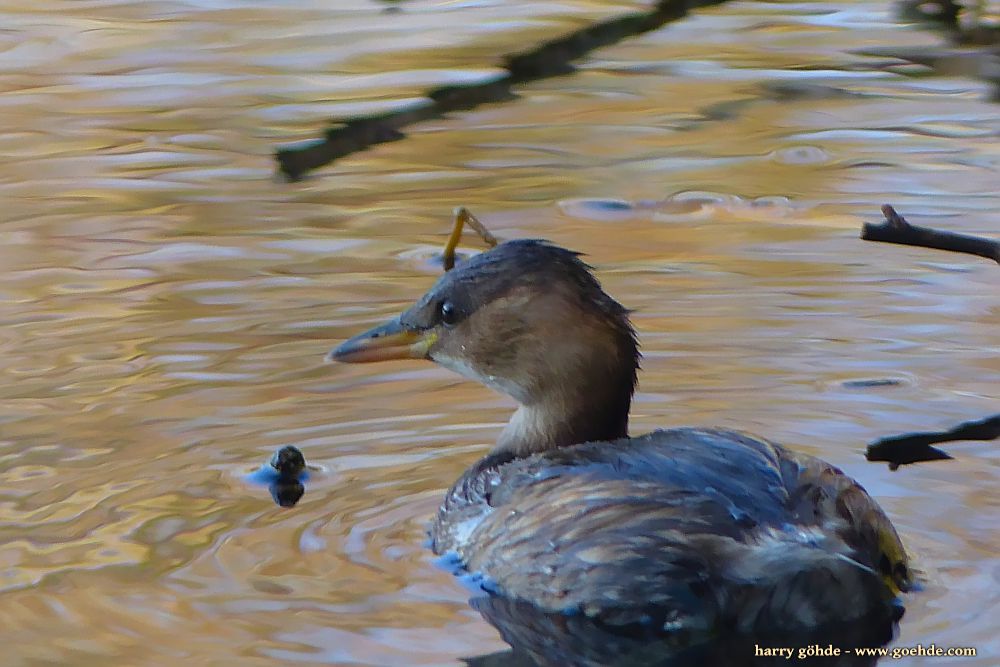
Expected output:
(562, 421)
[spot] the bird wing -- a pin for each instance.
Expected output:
(678, 527)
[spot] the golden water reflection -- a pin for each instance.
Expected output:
(166, 302)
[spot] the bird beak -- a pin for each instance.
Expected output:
(391, 340)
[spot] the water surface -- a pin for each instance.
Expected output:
(166, 303)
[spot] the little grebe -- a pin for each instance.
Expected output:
(686, 528)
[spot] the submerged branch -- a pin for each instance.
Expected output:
(550, 59)
(896, 229)
(916, 447)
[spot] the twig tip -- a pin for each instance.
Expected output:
(894, 219)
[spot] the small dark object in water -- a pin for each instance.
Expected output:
(284, 475)
(286, 492)
(870, 383)
(289, 462)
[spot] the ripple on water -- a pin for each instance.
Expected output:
(607, 210)
(801, 155)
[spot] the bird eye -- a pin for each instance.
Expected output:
(447, 312)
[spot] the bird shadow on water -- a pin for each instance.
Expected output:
(540, 639)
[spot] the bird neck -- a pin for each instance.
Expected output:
(580, 413)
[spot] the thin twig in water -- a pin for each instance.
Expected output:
(896, 229)
(916, 447)
(463, 216)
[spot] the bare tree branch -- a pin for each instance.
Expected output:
(552, 58)
(896, 229)
(915, 447)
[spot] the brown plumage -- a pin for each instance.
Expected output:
(683, 529)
